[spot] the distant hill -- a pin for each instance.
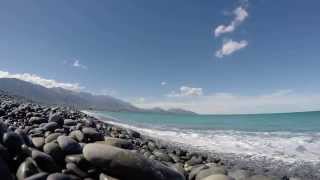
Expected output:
(170, 111)
(80, 100)
(179, 111)
(59, 96)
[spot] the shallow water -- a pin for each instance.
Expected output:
(288, 137)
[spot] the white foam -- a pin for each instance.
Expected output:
(285, 146)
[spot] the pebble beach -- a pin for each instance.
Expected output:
(40, 142)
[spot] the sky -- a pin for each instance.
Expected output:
(233, 56)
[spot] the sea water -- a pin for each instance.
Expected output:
(288, 137)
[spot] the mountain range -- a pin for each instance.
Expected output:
(79, 100)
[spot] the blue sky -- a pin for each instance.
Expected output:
(170, 53)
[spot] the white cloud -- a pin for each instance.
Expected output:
(163, 83)
(230, 46)
(77, 64)
(186, 91)
(240, 14)
(228, 103)
(49, 83)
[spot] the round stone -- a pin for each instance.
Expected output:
(69, 122)
(218, 177)
(76, 170)
(50, 126)
(121, 143)
(60, 176)
(38, 142)
(77, 135)
(26, 169)
(91, 134)
(69, 145)
(13, 142)
(210, 171)
(36, 120)
(56, 117)
(124, 164)
(44, 161)
(54, 150)
(52, 137)
(103, 176)
(38, 176)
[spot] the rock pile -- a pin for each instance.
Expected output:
(57, 143)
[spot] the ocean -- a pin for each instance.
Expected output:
(287, 137)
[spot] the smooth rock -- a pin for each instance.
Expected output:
(38, 142)
(195, 170)
(13, 142)
(56, 117)
(121, 143)
(54, 150)
(38, 176)
(60, 130)
(52, 137)
(77, 159)
(60, 176)
(50, 126)
(36, 120)
(69, 122)
(125, 165)
(69, 145)
(44, 161)
(91, 134)
(218, 177)
(26, 169)
(76, 170)
(22, 133)
(106, 177)
(210, 171)
(77, 135)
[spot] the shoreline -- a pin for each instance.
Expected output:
(43, 142)
(256, 165)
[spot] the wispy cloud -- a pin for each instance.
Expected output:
(49, 83)
(77, 64)
(229, 103)
(163, 83)
(240, 14)
(230, 46)
(186, 91)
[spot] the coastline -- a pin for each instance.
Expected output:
(256, 165)
(43, 142)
